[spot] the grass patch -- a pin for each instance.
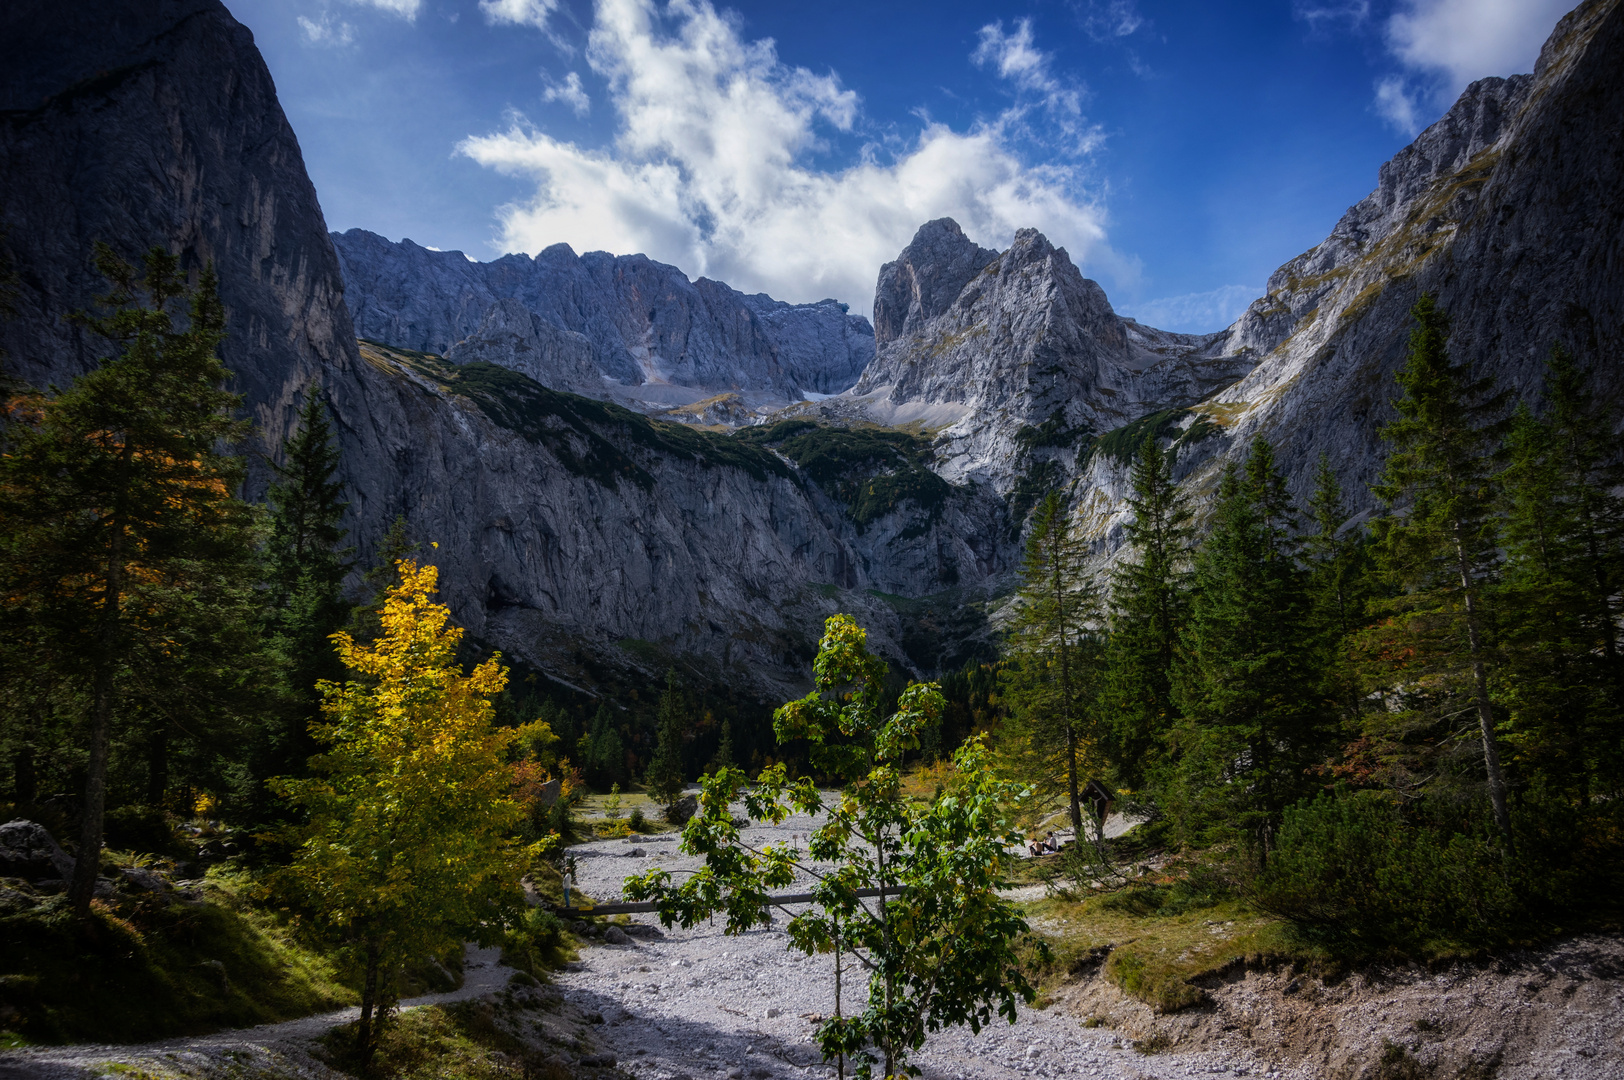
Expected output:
(1156, 942)
(464, 1041)
(149, 969)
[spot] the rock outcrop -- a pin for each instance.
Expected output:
(651, 330)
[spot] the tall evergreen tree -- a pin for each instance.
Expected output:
(1437, 547)
(1564, 544)
(664, 777)
(1050, 739)
(1249, 673)
(305, 571)
(118, 497)
(1340, 582)
(1149, 596)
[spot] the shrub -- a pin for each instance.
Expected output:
(536, 943)
(1351, 866)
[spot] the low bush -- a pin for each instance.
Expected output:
(537, 944)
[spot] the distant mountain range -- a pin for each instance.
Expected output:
(517, 411)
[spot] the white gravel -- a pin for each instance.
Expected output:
(702, 1005)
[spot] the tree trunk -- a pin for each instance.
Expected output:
(365, 1036)
(88, 857)
(24, 767)
(158, 765)
(1480, 687)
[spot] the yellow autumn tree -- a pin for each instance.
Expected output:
(408, 850)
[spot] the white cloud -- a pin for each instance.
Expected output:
(710, 170)
(1316, 14)
(1445, 44)
(570, 93)
(326, 31)
(406, 9)
(518, 12)
(1030, 70)
(1396, 103)
(1196, 313)
(1110, 19)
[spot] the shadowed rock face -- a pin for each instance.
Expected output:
(156, 123)
(645, 322)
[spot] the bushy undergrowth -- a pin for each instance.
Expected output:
(154, 969)
(1353, 871)
(537, 944)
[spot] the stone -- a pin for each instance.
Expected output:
(598, 1061)
(144, 880)
(616, 936)
(772, 1012)
(681, 809)
(28, 851)
(642, 930)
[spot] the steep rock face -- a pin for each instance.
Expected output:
(928, 276)
(126, 123)
(1508, 210)
(648, 324)
(1023, 343)
(515, 337)
(566, 527)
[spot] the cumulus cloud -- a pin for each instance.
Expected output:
(518, 12)
(1196, 313)
(1445, 44)
(710, 169)
(571, 93)
(326, 31)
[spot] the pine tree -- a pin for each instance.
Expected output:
(1248, 677)
(117, 499)
(1050, 739)
(664, 777)
(1340, 582)
(397, 544)
(1149, 596)
(1438, 551)
(723, 759)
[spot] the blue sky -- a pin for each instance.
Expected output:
(1179, 150)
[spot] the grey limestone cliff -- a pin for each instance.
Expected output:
(650, 329)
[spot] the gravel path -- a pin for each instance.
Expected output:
(274, 1048)
(701, 1005)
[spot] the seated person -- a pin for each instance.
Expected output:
(1034, 846)
(1050, 844)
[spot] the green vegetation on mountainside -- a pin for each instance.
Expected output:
(874, 471)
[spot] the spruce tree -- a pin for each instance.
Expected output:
(1149, 596)
(1249, 672)
(1564, 543)
(664, 777)
(1340, 581)
(723, 758)
(1437, 547)
(118, 501)
(1049, 739)
(305, 571)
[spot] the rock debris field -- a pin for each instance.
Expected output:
(703, 1005)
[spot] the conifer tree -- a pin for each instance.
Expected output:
(723, 758)
(1437, 547)
(118, 499)
(1248, 677)
(664, 777)
(1340, 582)
(305, 571)
(1050, 739)
(1149, 596)
(1564, 543)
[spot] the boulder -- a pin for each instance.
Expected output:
(616, 936)
(28, 851)
(680, 810)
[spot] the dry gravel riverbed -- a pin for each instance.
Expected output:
(702, 1005)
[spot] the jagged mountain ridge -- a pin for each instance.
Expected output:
(650, 332)
(170, 134)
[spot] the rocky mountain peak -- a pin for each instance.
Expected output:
(926, 278)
